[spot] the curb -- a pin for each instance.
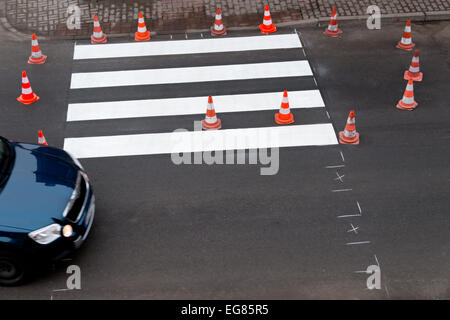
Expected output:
(426, 16)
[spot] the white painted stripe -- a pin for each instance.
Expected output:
(191, 105)
(192, 74)
(197, 141)
(156, 48)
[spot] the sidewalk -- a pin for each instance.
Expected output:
(49, 17)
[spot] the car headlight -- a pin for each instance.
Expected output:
(77, 162)
(47, 234)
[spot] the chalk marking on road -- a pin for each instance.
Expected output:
(387, 292)
(283, 69)
(193, 46)
(339, 177)
(198, 141)
(361, 271)
(191, 105)
(342, 156)
(58, 290)
(338, 166)
(341, 190)
(357, 243)
(328, 115)
(349, 215)
(359, 207)
(376, 259)
(353, 229)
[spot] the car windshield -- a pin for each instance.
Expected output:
(5, 160)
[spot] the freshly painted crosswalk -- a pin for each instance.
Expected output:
(195, 141)
(188, 75)
(190, 105)
(118, 107)
(162, 48)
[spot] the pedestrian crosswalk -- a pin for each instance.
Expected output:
(169, 91)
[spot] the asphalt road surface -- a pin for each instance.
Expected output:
(166, 231)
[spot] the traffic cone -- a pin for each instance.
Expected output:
(284, 116)
(414, 69)
(408, 103)
(406, 42)
(97, 35)
(218, 29)
(41, 139)
(333, 29)
(27, 96)
(36, 55)
(349, 135)
(211, 121)
(142, 34)
(267, 26)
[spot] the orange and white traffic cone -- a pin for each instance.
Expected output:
(218, 29)
(211, 121)
(27, 96)
(349, 135)
(97, 35)
(41, 139)
(267, 26)
(142, 34)
(36, 55)
(407, 102)
(406, 42)
(333, 29)
(414, 69)
(284, 116)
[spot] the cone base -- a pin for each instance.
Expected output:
(344, 140)
(413, 76)
(268, 29)
(41, 60)
(142, 37)
(215, 33)
(102, 39)
(212, 126)
(289, 120)
(403, 106)
(30, 101)
(406, 47)
(333, 34)
(43, 144)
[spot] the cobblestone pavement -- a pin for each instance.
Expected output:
(49, 17)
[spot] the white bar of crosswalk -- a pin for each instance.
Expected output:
(191, 105)
(153, 48)
(191, 74)
(198, 141)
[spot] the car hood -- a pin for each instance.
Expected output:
(38, 189)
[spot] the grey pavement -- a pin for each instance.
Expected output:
(225, 232)
(49, 17)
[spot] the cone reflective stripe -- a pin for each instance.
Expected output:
(142, 33)
(406, 42)
(97, 35)
(211, 122)
(284, 116)
(218, 29)
(349, 135)
(333, 29)
(408, 102)
(267, 26)
(41, 139)
(27, 96)
(414, 70)
(36, 55)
